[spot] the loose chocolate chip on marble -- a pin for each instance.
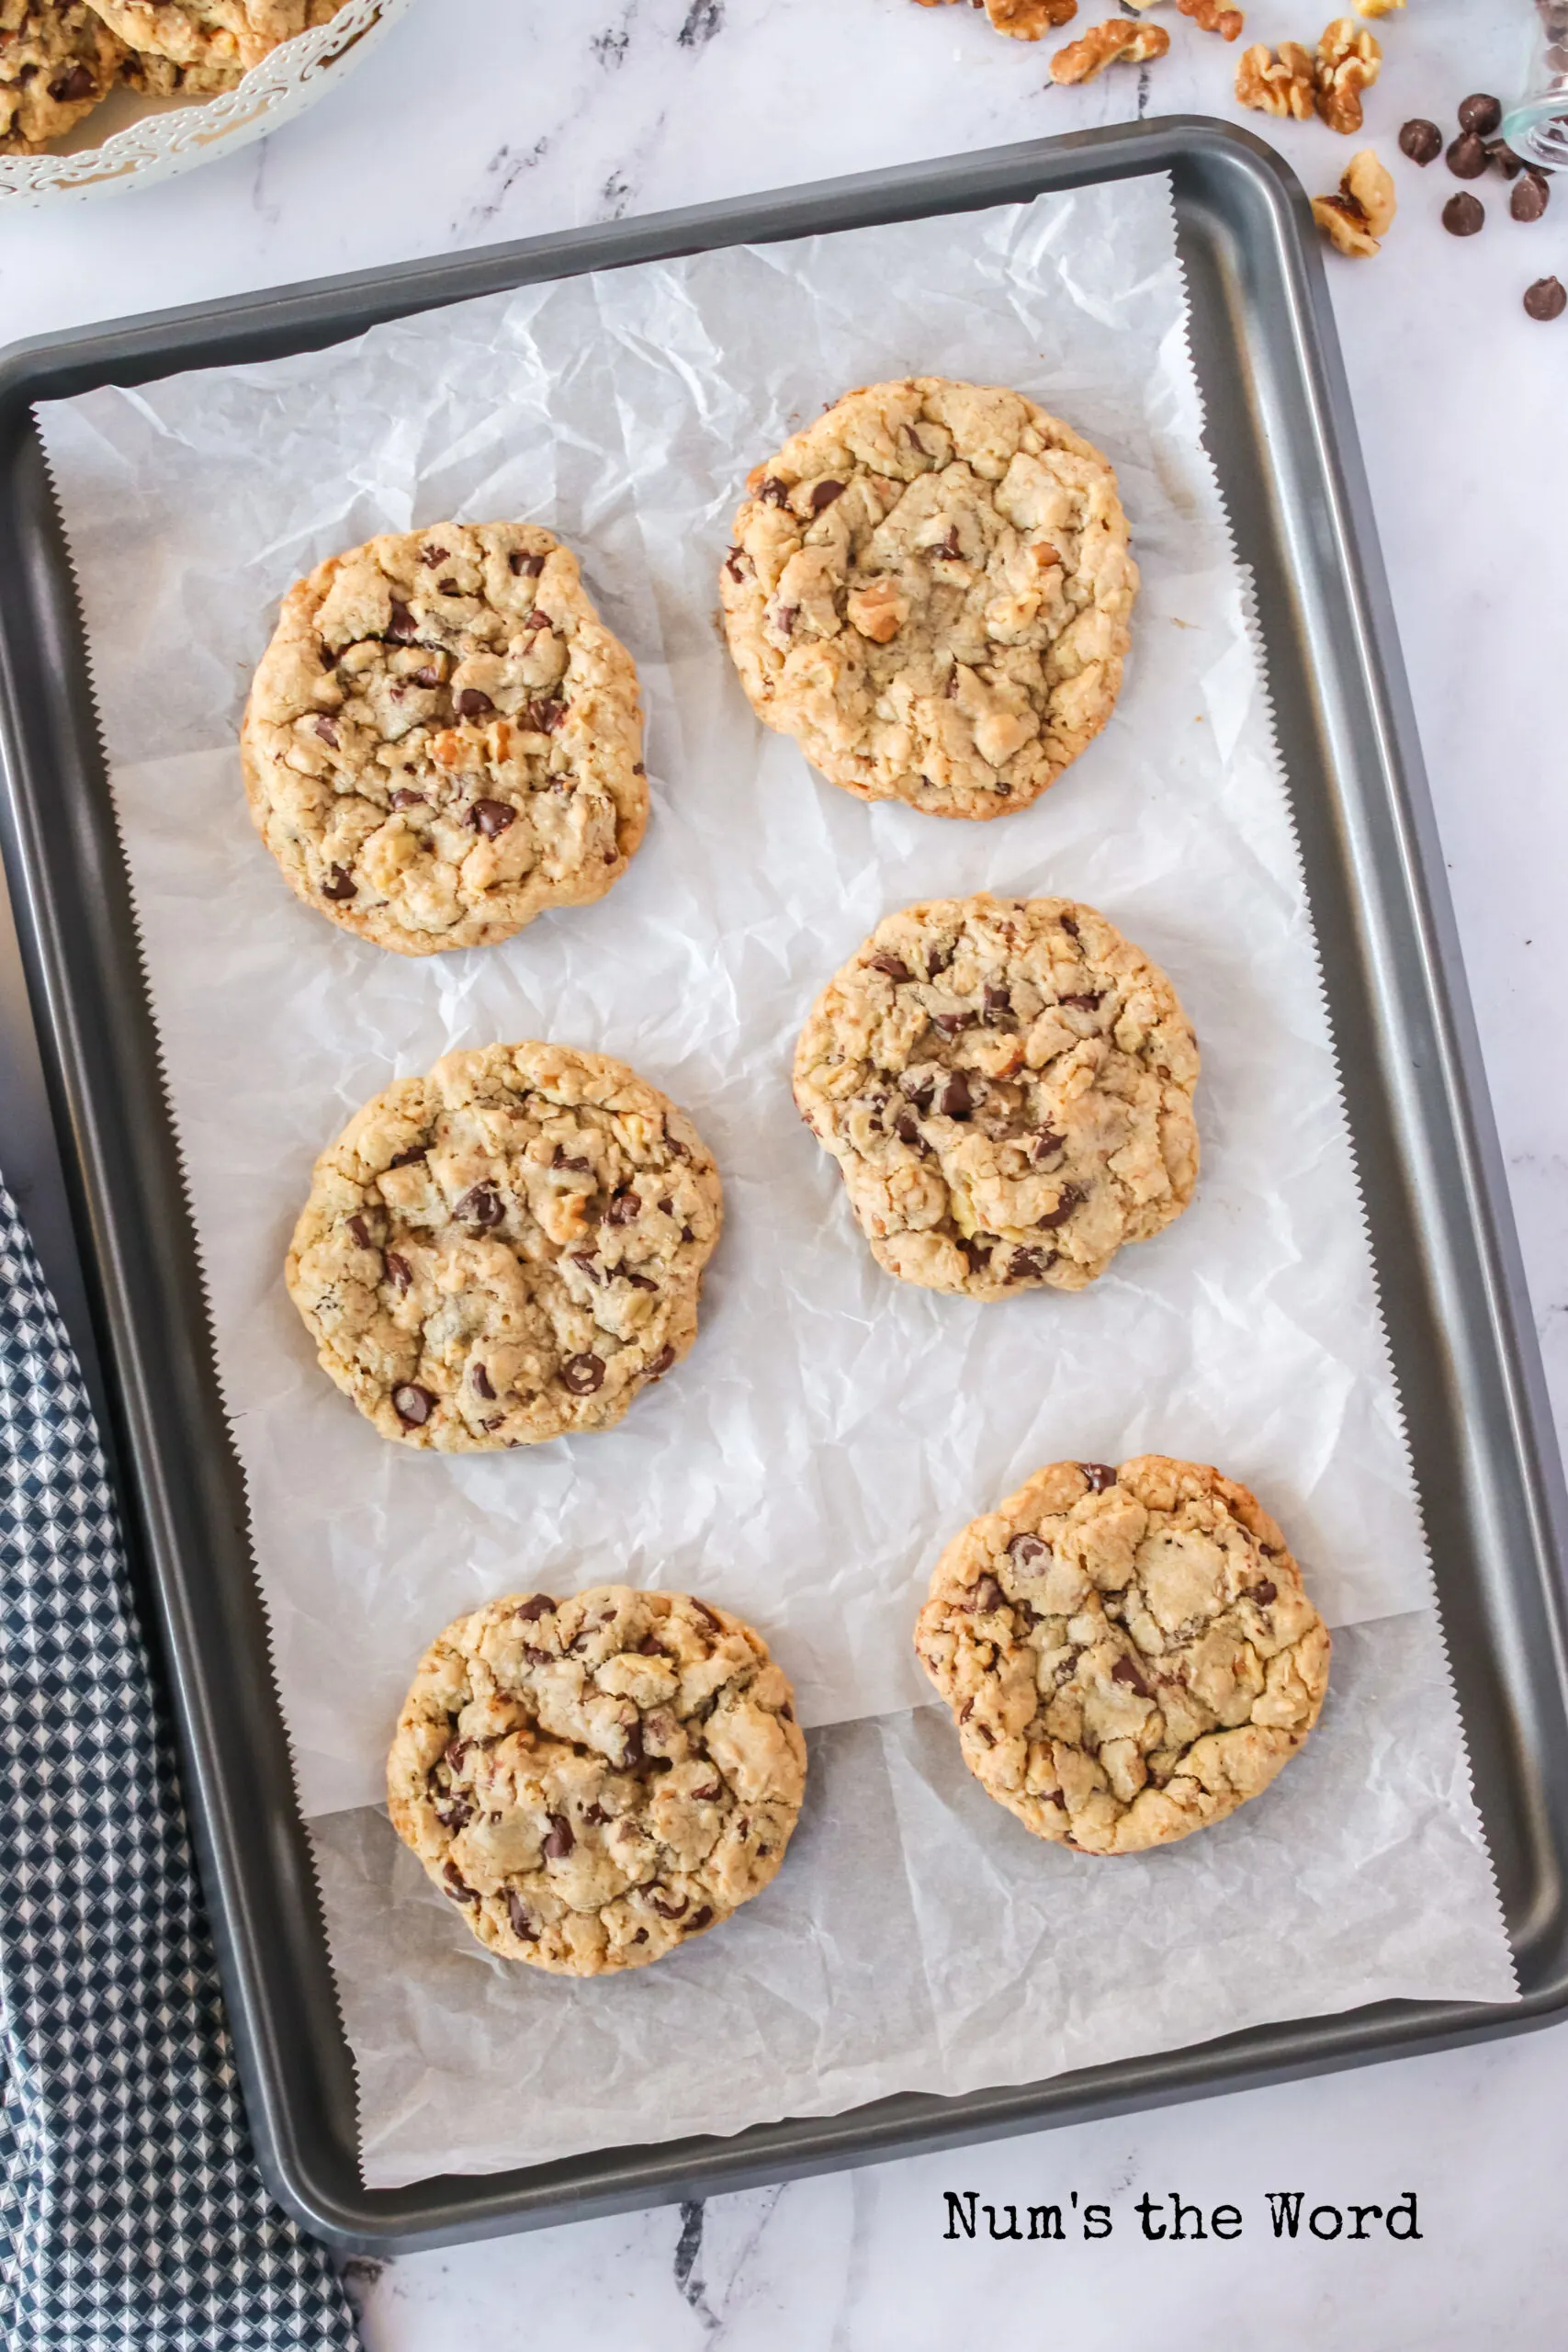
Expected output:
(1481, 113)
(1502, 158)
(775, 493)
(341, 885)
(824, 495)
(583, 1374)
(480, 1207)
(1045, 1146)
(661, 1363)
(1125, 1671)
(481, 1383)
(1263, 1593)
(1547, 298)
(407, 1158)
(78, 83)
(558, 1841)
(399, 1273)
(1464, 215)
(360, 1231)
(523, 1927)
(699, 1920)
(1421, 141)
(456, 1886)
(412, 1405)
(527, 567)
(1531, 195)
(1100, 1476)
(542, 715)
(538, 1604)
(404, 798)
(1467, 156)
(894, 966)
(327, 732)
(957, 1100)
(402, 629)
(1024, 1550)
(490, 817)
(471, 704)
(1067, 1201)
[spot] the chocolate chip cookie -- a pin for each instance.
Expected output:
(1128, 1653)
(212, 36)
(57, 60)
(595, 1782)
(1007, 1085)
(442, 739)
(929, 589)
(506, 1250)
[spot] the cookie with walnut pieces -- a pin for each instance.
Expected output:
(506, 1250)
(1006, 1086)
(594, 1782)
(443, 739)
(929, 590)
(212, 39)
(57, 58)
(1129, 1654)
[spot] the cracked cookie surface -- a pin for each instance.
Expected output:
(507, 1249)
(219, 39)
(1006, 1086)
(1129, 1654)
(593, 1782)
(57, 58)
(442, 739)
(929, 590)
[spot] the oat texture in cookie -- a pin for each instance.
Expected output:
(57, 60)
(1128, 1653)
(212, 36)
(507, 1249)
(929, 590)
(1007, 1085)
(595, 1782)
(443, 739)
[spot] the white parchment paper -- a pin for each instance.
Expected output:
(832, 1427)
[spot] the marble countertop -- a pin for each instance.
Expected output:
(485, 120)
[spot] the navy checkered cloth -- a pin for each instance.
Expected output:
(132, 2215)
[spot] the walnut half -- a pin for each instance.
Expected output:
(1362, 211)
(1348, 62)
(1024, 19)
(1103, 45)
(1211, 17)
(1277, 84)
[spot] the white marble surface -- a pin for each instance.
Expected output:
(491, 119)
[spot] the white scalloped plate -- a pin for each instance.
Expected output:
(128, 140)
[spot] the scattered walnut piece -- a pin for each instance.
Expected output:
(1363, 210)
(1210, 18)
(1103, 45)
(1378, 7)
(1027, 19)
(1282, 84)
(1348, 62)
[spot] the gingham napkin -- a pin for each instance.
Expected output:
(132, 2215)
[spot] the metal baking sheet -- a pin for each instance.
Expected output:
(1280, 429)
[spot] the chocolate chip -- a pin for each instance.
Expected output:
(1024, 1550)
(949, 550)
(1046, 1146)
(978, 1253)
(481, 1383)
(456, 1886)
(1068, 1200)
(583, 1374)
(784, 618)
(824, 495)
(455, 1815)
(432, 556)
(327, 732)
(775, 493)
(542, 717)
(471, 704)
(632, 1755)
(989, 1594)
(589, 1263)
(1263, 1593)
(1100, 1476)
(538, 1604)
(1084, 1003)
(1464, 215)
(651, 1646)
(523, 1927)
(490, 817)
(661, 1363)
(402, 629)
(894, 966)
(709, 1617)
(480, 1207)
(734, 560)
(1069, 925)
(965, 1711)
(537, 619)
(399, 1273)
(1531, 195)
(1481, 113)
(706, 1794)
(1502, 158)
(448, 588)
(412, 1404)
(957, 1101)
(407, 1158)
(999, 1002)
(404, 798)
(559, 1841)
(527, 567)
(80, 82)
(1421, 141)
(1547, 298)
(1125, 1671)
(1029, 1266)
(699, 1920)
(640, 1281)
(906, 1128)
(341, 885)
(668, 1910)
(625, 1209)
(597, 1816)
(1467, 156)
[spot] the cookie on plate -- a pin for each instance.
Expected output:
(1007, 1085)
(57, 60)
(507, 1249)
(1128, 1653)
(594, 1782)
(212, 36)
(442, 739)
(929, 589)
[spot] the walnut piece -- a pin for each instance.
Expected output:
(1362, 211)
(1348, 62)
(1210, 18)
(1024, 19)
(1277, 84)
(1378, 7)
(1103, 45)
